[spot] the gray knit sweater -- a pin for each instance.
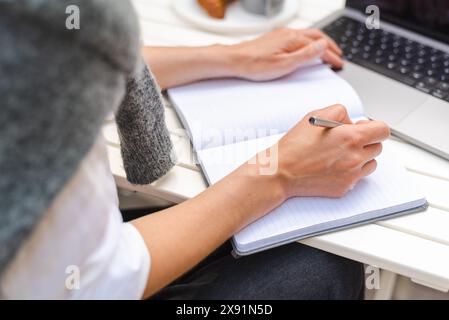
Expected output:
(56, 88)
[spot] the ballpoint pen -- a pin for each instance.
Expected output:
(319, 122)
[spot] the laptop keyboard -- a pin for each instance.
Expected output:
(407, 61)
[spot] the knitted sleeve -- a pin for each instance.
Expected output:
(146, 147)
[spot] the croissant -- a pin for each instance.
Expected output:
(215, 8)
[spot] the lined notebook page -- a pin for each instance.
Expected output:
(385, 192)
(219, 112)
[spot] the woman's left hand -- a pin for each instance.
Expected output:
(282, 51)
(268, 57)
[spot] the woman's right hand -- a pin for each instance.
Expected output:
(316, 161)
(311, 161)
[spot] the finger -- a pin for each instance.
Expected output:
(334, 60)
(371, 151)
(300, 42)
(318, 34)
(362, 121)
(328, 56)
(372, 132)
(313, 50)
(368, 168)
(336, 112)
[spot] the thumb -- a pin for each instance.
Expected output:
(336, 112)
(314, 50)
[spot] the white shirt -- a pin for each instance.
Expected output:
(81, 249)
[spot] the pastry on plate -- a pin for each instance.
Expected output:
(215, 8)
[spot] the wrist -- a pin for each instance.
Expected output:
(270, 184)
(226, 59)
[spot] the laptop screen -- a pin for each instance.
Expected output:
(428, 17)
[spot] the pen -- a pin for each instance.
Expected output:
(319, 122)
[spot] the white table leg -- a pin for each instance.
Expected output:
(387, 285)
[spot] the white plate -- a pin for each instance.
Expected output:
(237, 20)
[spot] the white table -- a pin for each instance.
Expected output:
(415, 246)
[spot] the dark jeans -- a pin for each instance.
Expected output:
(292, 271)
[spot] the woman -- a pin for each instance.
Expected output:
(61, 232)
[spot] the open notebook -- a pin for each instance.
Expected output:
(230, 120)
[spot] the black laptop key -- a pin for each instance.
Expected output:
(383, 47)
(397, 51)
(408, 55)
(431, 81)
(404, 62)
(443, 86)
(431, 72)
(379, 53)
(372, 36)
(417, 75)
(392, 57)
(433, 58)
(421, 60)
(408, 49)
(436, 65)
(379, 60)
(354, 51)
(404, 70)
(439, 94)
(366, 56)
(340, 22)
(396, 44)
(421, 85)
(391, 65)
(422, 53)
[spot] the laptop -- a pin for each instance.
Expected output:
(400, 71)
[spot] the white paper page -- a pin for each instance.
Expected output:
(389, 186)
(219, 112)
